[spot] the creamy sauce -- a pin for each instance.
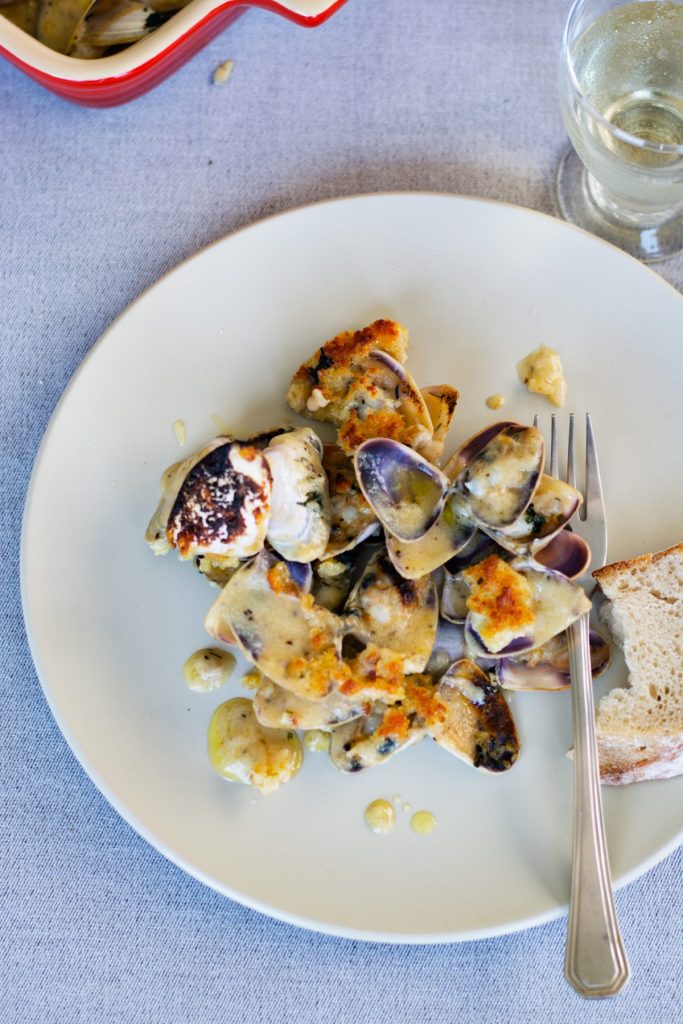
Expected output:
(423, 823)
(208, 669)
(380, 817)
(317, 740)
(542, 373)
(496, 401)
(179, 431)
(220, 424)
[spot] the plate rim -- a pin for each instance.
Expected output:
(132, 819)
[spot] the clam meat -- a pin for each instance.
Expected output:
(394, 613)
(299, 524)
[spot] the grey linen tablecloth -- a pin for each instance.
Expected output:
(95, 205)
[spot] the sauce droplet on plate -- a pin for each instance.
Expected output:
(423, 822)
(379, 817)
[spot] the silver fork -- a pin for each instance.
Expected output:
(595, 959)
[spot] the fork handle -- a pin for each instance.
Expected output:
(595, 962)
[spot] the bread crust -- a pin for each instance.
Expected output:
(608, 573)
(633, 746)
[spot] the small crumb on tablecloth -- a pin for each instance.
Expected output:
(223, 72)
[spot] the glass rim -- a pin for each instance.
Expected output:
(619, 133)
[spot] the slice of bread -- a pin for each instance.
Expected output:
(640, 727)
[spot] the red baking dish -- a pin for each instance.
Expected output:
(108, 81)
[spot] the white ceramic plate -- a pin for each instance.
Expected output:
(479, 285)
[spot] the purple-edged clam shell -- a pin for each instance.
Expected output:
(499, 481)
(302, 574)
(547, 668)
(553, 505)
(477, 725)
(479, 649)
(474, 444)
(566, 553)
(405, 491)
(556, 603)
(408, 395)
(479, 547)
(450, 533)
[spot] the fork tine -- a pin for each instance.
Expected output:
(553, 446)
(595, 507)
(571, 468)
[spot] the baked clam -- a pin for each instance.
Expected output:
(378, 736)
(441, 401)
(351, 518)
(499, 479)
(216, 503)
(405, 491)
(278, 708)
(299, 523)
(394, 613)
(476, 725)
(516, 607)
(280, 628)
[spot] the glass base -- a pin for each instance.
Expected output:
(576, 204)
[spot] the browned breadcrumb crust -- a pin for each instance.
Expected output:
(325, 368)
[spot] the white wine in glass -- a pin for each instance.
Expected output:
(622, 101)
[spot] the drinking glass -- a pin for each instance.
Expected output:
(621, 88)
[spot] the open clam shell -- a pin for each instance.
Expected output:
(566, 553)
(374, 739)
(377, 737)
(278, 708)
(441, 401)
(300, 515)
(405, 398)
(514, 608)
(552, 506)
(394, 613)
(499, 480)
(451, 532)
(547, 666)
(351, 518)
(477, 725)
(454, 594)
(405, 491)
(332, 581)
(280, 629)
(472, 446)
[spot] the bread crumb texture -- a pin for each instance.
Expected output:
(640, 727)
